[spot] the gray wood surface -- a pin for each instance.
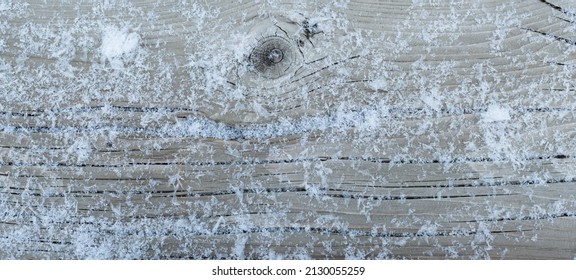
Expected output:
(400, 129)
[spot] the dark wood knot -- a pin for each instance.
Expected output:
(273, 56)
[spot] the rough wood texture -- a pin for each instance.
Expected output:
(401, 129)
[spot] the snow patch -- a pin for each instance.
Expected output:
(378, 84)
(118, 44)
(80, 150)
(496, 113)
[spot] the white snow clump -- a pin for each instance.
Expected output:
(495, 113)
(118, 44)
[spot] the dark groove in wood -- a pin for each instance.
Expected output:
(558, 8)
(353, 233)
(557, 38)
(181, 194)
(412, 197)
(324, 68)
(84, 109)
(256, 161)
(524, 218)
(565, 20)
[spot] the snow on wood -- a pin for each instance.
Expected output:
(349, 129)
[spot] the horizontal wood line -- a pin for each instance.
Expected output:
(181, 194)
(108, 109)
(176, 193)
(45, 241)
(559, 89)
(408, 197)
(313, 230)
(391, 111)
(524, 218)
(197, 163)
(300, 190)
(338, 84)
(557, 38)
(323, 68)
(204, 128)
(343, 232)
(279, 161)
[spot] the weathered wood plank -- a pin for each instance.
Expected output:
(401, 129)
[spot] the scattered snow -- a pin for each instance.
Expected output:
(5, 5)
(400, 110)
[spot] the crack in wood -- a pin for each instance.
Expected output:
(416, 197)
(523, 218)
(255, 161)
(558, 8)
(558, 38)
(358, 233)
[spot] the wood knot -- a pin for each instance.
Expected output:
(272, 57)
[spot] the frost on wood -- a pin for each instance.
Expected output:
(433, 129)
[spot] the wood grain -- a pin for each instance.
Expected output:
(404, 129)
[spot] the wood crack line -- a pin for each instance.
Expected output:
(255, 161)
(524, 218)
